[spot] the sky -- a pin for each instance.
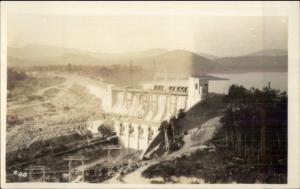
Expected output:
(112, 29)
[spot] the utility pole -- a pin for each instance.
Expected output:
(269, 85)
(109, 148)
(75, 158)
(31, 169)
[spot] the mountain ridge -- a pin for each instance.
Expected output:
(177, 60)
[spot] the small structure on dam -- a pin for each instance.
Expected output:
(138, 111)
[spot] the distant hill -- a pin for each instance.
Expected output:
(269, 52)
(254, 64)
(64, 59)
(47, 55)
(144, 54)
(181, 61)
(39, 51)
(269, 60)
(43, 51)
(208, 56)
(162, 60)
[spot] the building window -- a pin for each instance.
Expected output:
(196, 86)
(158, 87)
(131, 130)
(141, 132)
(121, 129)
(150, 134)
(205, 90)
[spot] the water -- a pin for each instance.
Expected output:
(278, 81)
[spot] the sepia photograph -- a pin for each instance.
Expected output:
(149, 93)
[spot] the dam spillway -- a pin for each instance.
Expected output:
(138, 111)
(147, 105)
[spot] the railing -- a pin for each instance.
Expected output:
(163, 92)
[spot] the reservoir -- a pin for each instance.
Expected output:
(259, 80)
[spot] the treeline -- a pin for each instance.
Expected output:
(121, 74)
(255, 127)
(14, 76)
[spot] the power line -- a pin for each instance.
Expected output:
(75, 158)
(37, 168)
(109, 148)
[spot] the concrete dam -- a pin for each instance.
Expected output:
(136, 112)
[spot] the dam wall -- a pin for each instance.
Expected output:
(135, 134)
(149, 106)
(137, 115)
(137, 112)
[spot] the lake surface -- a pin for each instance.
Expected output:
(278, 81)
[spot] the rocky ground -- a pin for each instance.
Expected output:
(47, 106)
(173, 167)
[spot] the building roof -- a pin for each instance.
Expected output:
(208, 77)
(173, 81)
(169, 82)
